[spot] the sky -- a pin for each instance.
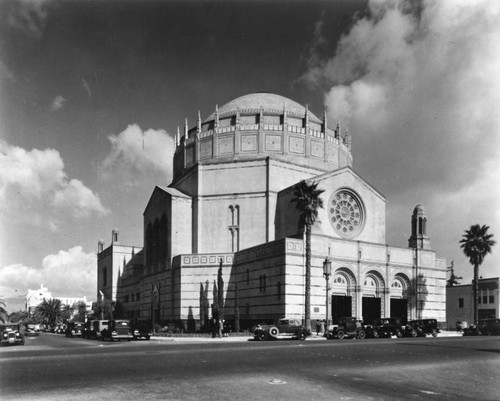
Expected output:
(92, 93)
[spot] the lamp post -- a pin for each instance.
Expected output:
(327, 271)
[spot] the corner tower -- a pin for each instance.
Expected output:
(419, 238)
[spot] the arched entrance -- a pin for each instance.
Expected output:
(399, 297)
(372, 300)
(343, 284)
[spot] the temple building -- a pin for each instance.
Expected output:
(229, 206)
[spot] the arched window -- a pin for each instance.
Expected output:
(163, 240)
(156, 242)
(234, 227)
(149, 245)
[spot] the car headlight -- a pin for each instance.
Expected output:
(5, 335)
(136, 332)
(114, 333)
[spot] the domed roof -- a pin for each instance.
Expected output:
(268, 101)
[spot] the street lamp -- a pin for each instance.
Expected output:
(327, 271)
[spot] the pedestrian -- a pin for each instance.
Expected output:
(214, 328)
(221, 327)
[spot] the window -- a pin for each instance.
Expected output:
(138, 296)
(234, 227)
(248, 276)
(126, 299)
(460, 302)
(132, 297)
(104, 276)
(492, 299)
(278, 288)
(485, 299)
(265, 284)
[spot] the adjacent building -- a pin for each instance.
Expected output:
(229, 207)
(460, 302)
(36, 297)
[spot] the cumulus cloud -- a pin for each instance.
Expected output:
(28, 16)
(57, 103)
(136, 153)
(418, 89)
(34, 188)
(70, 273)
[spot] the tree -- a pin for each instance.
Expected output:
(220, 292)
(50, 310)
(476, 243)
(453, 280)
(308, 201)
(3, 311)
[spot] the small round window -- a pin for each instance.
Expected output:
(346, 213)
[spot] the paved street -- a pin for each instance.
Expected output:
(53, 367)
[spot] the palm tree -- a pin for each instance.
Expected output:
(308, 201)
(476, 243)
(50, 310)
(3, 311)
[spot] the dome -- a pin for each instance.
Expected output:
(268, 101)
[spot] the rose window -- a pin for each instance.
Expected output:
(346, 213)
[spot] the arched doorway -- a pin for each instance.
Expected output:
(399, 297)
(371, 300)
(342, 301)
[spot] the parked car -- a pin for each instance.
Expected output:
(117, 330)
(283, 328)
(485, 327)
(10, 334)
(97, 327)
(388, 327)
(87, 329)
(347, 327)
(74, 329)
(31, 330)
(425, 326)
(141, 328)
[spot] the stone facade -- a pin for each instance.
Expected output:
(229, 206)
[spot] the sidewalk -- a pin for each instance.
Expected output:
(240, 338)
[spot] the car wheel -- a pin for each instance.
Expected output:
(399, 333)
(340, 334)
(301, 335)
(361, 335)
(262, 336)
(414, 333)
(274, 331)
(376, 334)
(434, 333)
(147, 337)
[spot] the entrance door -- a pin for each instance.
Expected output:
(399, 308)
(341, 307)
(371, 309)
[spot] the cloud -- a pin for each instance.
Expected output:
(28, 16)
(418, 89)
(71, 273)
(136, 154)
(34, 188)
(57, 103)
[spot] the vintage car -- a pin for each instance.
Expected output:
(10, 334)
(117, 330)
(485, 327)
(290, 328)
(348, 327)
(388, 327)
(74, 329)
(141, 328)
(97, 327)
(424, 327)
(31, 330)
